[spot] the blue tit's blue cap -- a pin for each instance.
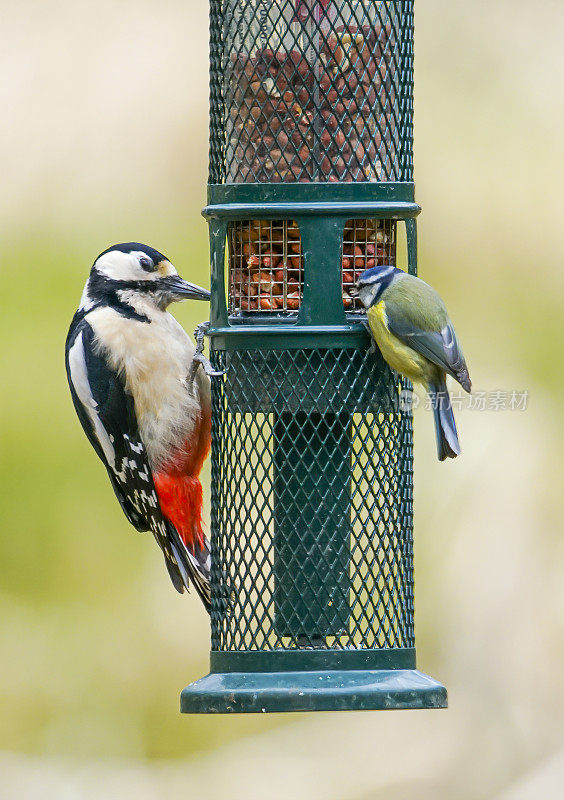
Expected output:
(375, 274)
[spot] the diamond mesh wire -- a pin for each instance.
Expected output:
(266, 262)
(311, 520)
(309, 90)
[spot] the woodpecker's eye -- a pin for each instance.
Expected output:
(146, 263)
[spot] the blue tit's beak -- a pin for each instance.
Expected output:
(353, 290)
(179, 289)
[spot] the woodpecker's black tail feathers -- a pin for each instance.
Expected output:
(190, 568)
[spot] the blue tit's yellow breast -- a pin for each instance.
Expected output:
(397, 354)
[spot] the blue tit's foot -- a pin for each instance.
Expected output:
(372, 348)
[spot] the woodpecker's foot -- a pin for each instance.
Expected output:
(199, 334)
(199, 357)
(228, 597)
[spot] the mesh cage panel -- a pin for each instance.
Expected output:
(266, 268)
(311, 520)
(309, 90)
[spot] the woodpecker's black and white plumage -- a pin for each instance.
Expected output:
(143, 398)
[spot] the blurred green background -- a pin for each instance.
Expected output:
(104, 139)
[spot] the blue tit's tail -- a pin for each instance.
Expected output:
(445, 426)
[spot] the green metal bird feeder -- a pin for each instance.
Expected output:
(311, 171)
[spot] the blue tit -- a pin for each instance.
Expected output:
(411, 326)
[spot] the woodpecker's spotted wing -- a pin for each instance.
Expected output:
(107, 414)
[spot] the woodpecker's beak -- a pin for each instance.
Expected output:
(179, 289)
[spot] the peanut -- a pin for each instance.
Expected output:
(293, 301)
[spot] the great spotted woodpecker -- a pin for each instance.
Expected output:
(140, 390)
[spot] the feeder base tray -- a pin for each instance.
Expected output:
(324, 690)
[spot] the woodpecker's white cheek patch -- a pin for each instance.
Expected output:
(120, 266)
(79, 378)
